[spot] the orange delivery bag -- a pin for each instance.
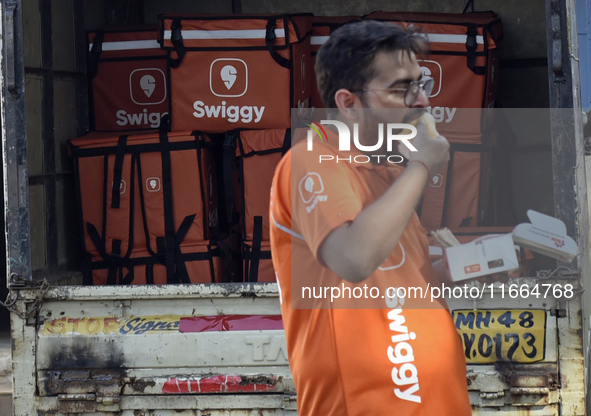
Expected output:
(126, 79)
(463, 61)
(148, 205)
(255, 155)
(236, 71)
(460, 195)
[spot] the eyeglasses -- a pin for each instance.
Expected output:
(412, 91)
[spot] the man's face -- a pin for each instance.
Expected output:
(384, 94)
(393, 72)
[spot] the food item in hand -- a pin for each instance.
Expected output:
(430, 122)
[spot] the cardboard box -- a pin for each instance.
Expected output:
(483, 257)
(546, 235)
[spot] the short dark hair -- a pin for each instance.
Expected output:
(346, 59)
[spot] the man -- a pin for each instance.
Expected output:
(339, 222)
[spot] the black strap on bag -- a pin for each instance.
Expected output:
(200, 144)
(471, 46)
(118, 169)
(158, 258)
(169, 234)
(220, 241)
(257, 238)
(469, 4)
(116, 260)
(113, 260)
(228, 156)
(128, 278)
(116, 255)
(176, 38)
(143, 207)
(270, 38)
(286, 142)
(86, 268)
(211, 253)
(95, 54)
(182, 275)
(150, 274)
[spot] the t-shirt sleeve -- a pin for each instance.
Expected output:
(324, 195)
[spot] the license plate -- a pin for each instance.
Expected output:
(493, 335)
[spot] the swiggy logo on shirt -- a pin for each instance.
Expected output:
(405, 374)
(311, 188)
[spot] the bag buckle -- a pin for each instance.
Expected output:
(270, 35)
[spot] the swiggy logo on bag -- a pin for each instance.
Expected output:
(432, 69)
(228, 77)
(436, 181)
(153, 184)
(147, 86)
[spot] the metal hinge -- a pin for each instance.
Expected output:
(544, 391)
(491, 396)
(87, 403)
(108, 400)
(77, 397)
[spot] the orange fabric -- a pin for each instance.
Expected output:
(252, 192)
(464, 189)
(129, 90)
(340, 357)
(188, 173)
(467, 192)
(266, 272)
(257, 175)
(219, 87)
(449, 23)
(128, 34)
(298, 26)
(457, 88)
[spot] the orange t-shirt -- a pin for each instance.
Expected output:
(356, 356)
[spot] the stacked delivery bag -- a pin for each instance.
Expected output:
(127, 79)
(237, 71)
(148, 198)
(240, 76)
(464, 62)
(149, 208)
(249, 163)
(227, 86)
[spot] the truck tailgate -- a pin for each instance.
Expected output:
(112, 349)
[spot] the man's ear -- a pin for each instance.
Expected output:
(348, 103)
